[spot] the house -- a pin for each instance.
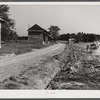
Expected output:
(38, 35)
(72, 38)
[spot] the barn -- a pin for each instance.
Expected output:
(38, 35)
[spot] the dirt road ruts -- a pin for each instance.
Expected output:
(14, 65)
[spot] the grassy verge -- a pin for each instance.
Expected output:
(18, 48)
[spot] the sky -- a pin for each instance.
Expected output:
(69, 18)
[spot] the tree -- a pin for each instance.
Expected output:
(64, 37)
(54, 31)
(80, 36)
(13, 36)
(8, 25)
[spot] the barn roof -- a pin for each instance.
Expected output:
(38, 28)
(35, 28)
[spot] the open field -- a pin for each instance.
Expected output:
(18, 48)
(80, 72)
(83, 45)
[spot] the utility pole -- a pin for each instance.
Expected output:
(28, 26)
(1, 20)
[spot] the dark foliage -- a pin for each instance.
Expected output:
(54, 32)
(23, 38)
(64, 37)
(7, 28)
(80, 37)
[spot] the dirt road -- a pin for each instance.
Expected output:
(14, 65)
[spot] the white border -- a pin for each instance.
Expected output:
(42, 93)
(51, 3)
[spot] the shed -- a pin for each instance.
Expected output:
(37, 35)
(72, 38)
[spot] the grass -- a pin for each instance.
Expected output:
(83, 45)
(18, 48)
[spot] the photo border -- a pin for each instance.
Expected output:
(52, 98)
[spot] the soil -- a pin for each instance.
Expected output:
(80, 72)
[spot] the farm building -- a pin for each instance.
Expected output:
(38, 35)
(72, 38)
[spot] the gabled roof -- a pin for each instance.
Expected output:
(38, 28)
(35, 27)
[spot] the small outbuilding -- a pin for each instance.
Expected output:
(72, 38)
(38, 35)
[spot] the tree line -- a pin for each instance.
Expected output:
(80, 37)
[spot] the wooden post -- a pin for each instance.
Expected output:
(0, 30)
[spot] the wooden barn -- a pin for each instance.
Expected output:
(38, 35)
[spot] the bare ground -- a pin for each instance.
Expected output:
(80, 72)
